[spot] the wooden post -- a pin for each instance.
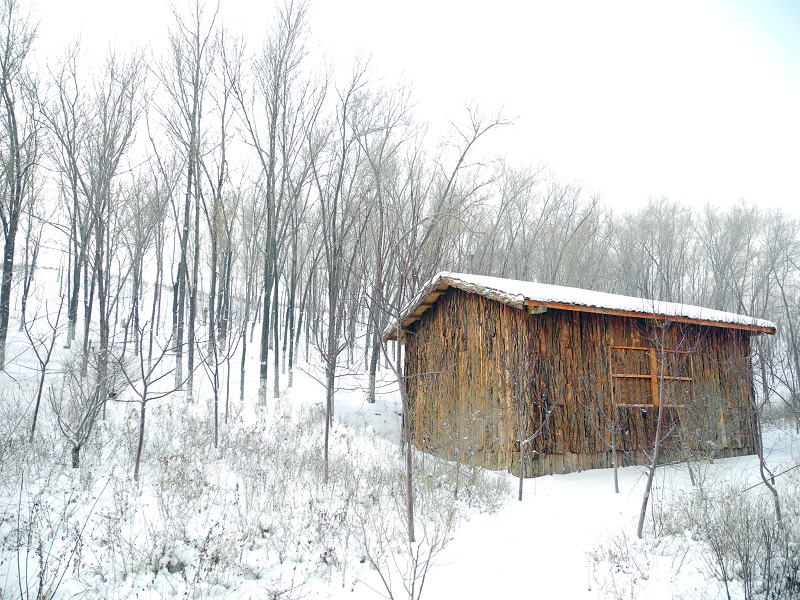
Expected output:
(651, 352)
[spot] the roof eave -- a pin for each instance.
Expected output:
(439, 285)
(653, 315)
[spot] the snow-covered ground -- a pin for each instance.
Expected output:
(255, 518)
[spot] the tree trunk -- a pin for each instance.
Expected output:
(212, 293)
(179, 288)
(758, 442)
(288, 354)
(5, 291)
(72, 310)
(656, 443)
(245, 316)
(191, 334)
(373, 365)
(76, 456)
(38, 401)
(276, 365)
(225, 299)
(521, 452)
(614, 460)
(265, 332)
(155, 311)
(102, 301)
(30, 268)
(330, 379)
(406, 435)
(88, 304)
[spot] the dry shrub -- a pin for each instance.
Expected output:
(747, 550)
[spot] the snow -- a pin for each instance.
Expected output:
(253, 517)
(515, 293)
(545, 545)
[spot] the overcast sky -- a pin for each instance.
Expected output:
(694, 101)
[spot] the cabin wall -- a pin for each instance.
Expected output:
(476, 366)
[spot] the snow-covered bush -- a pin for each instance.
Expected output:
(747, 550)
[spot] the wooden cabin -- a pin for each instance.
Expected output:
(491, 361)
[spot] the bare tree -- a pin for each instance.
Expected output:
(34, 228)
(115, 112)
(43, 349)
(212, 358)
(79, 402)
(143, 376)
(19, 147)
(250, 225)
(603, 417)
(668, 352)
(343, 219)
(185, 78)
(656, 249)
(528, 376)
(270, 101)
(430, 206)
(66, 119)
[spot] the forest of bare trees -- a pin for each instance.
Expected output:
(165, 215)
(260, 198)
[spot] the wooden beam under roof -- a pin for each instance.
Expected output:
(650, 315)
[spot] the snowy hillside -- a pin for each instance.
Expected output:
(211, 228)
(254, 518)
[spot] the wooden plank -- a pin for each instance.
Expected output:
(643, 348)
(648, 315)
(653, 376)
(664, 378)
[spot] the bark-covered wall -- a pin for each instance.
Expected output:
(476, 365)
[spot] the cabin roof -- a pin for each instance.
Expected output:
(535, 297)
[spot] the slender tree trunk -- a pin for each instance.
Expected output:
(216, 399)
(140, 444)
(227, 384)
(256, 315)
(191, 334)
(179, 288)
(614, 459)
(651, 471)
(330, 380)
(225, 299)
(373, 365)
(102, 300)
(155, 310)
(265, 331)
(288, 356)
(88, 305)
(521, 450)
(38, 400)
(276, 365)
(137, 278)
(5, 291)
(288, 329)
(77, 267)
(406, 434)
(769, 482)
(243, 362)
(212, 293)
(31, 255)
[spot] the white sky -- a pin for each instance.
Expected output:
(697, 101)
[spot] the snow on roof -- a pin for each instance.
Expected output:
(527, 293)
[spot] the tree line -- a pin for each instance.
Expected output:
(217, 197)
